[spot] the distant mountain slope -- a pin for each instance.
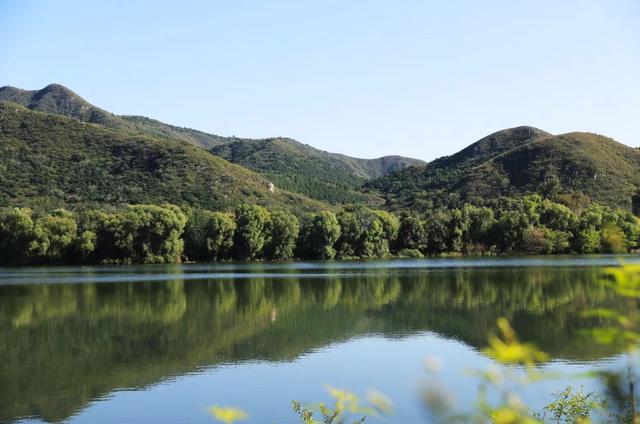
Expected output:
(301, 168)
(518, 161)
(51, 159)
(291, 165)
(59, 100)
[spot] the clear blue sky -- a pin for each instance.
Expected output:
(364, 78)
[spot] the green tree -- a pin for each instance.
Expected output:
(509, 231)
(390, 225)
(149, 233)
(58, 234)
(438, 231)
(351, 233)
(283, 233)
(374, 243)
(208, 236)
(318, 236)
(635, 203)
(21, 240)
(556, 216)
(412, 233)
(252, 225)
(478, 230)
(457, 228)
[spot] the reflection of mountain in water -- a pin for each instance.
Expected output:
(65, 345)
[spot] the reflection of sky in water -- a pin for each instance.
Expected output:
(265, 389)
(373, 325)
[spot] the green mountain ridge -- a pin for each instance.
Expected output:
(515, 162)
(53, 160)
(318, 174)
(291, 165)
(510, 162)
(59, 100)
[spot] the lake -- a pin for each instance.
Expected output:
(162, 343)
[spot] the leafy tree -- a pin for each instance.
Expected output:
(251, 234)
(412, 233)
(480, 221)
(613, 240)
(59, 232)
(635, 203)
(351, 232)
(509, 230)
(20, 237)
(283, 233)
(587, 240)
(556, 216)
(390, 225)
(457, 228)
(149, 233)
(550, 187)
(318, 236)
(439, 236)
(374, 244)
(208, 236)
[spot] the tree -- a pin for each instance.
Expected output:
(556, 216)
(412, 233)
(149, 233)
(613, 240)
(438, 231)
(550, 187)
(480, 222)
(509, 230)
(457, 227)
(20, 237)
(283, 233)
(208, 236)
(251, 234)
(59, 232)
(390, 225)
(351, 231)
(318, 235)
(374, 244)
(635, 203)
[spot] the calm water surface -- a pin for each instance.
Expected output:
(153, 344)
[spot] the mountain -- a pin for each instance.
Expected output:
(59, 100)
(318, 174)
(291, 165)
(519, 161)
(53, 160)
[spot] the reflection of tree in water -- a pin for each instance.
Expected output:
(64, 345)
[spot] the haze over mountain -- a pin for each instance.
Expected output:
(518, 161)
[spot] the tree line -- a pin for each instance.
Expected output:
(166, 233)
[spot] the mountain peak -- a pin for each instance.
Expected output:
(495, 144)
(57, 99)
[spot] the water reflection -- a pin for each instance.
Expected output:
(63, 345)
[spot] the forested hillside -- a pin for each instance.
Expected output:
(301, 168)
(290, 165)
(59, 100)
(574, 168)
(53, 161)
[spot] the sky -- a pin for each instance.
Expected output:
(364, 77)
